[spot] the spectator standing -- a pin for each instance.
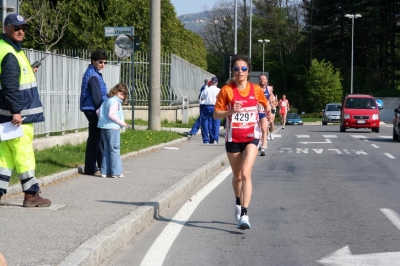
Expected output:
(20, 105)
(93, 93)
(111, 120)
(209, 125)
(238, 101)
(197, 124)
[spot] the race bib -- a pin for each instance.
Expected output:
(245, 118)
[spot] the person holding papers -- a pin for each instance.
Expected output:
(20, 105)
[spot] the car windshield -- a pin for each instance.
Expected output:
(332, 107)
(360, 103)
(293, 116)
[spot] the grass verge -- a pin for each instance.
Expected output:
(65, 157)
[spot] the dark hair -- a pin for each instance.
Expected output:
(120, 87)
(263, 74)
(239, 57)
(98, 55)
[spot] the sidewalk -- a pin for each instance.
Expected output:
(91, 217)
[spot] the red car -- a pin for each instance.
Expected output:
(359, 111)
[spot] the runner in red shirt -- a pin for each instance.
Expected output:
(283, 109)
(238, 101)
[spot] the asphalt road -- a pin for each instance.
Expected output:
(318, 191)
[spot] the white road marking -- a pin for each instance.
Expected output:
(392, 216)
(358, 136)
(390, 156)
(385, 137)
(324, 142)
(330, 136)
(159, 249)
(276, 136)
(375, 146)
(303, 136)
(344, 257)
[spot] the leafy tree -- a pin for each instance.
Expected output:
(323, 85)
(47, 22)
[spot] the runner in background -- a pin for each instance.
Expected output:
(283, 109)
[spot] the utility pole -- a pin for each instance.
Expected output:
(235, 41)
(155, 65)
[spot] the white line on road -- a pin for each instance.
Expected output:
(385, 137)
(329, 136)
(393, 217)
(390, 156)
(159, 249)
(303, 136)
(375, 146)
(359, 136)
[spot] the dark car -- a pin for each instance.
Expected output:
(396, 124)
(293, 119)
(331, 113)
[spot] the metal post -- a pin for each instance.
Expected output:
(263, 55)
(352, 17)
(155, 65)
(251, 23)
(352, 53)
(4, 11)
(133, 87)
(235, 41)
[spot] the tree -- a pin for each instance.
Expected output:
(323, 85)
(48, 22)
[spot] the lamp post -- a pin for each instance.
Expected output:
(352, 17)
(263, 43)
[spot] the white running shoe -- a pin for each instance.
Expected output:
(271, 137)
(244, 223)
(262, 152)
(238, 212)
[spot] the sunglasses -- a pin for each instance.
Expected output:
(243, 68)
(17, 28)
(102, 62)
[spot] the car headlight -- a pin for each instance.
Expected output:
(346, 116)
(375, 117)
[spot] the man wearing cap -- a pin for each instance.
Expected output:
(209, 125)
(20, 105)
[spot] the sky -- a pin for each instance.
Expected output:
(183, 7)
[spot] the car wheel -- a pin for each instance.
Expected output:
(376, 130)
(395, 135)
(342, 128)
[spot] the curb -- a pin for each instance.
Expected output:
(61, 176)
(101, 246)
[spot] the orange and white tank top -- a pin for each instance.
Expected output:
(244, 125)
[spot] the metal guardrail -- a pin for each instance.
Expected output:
(60, 75)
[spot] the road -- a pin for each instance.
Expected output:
(320, 197)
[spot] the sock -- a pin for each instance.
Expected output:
(244, 211)
(237, 200)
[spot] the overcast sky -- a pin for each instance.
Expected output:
(183, 7)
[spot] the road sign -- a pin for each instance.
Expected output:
(116, 31)
(380, 103)
(11, 7)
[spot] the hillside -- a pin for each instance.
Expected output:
(195, 21)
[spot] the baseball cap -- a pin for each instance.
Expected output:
(214, 80)
(15, 19)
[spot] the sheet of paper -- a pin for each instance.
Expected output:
(10, 131)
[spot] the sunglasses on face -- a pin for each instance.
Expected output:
(243, 68)
(17, 28)
(102, 62)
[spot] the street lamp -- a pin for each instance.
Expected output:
(263, 43)
(352, 17)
